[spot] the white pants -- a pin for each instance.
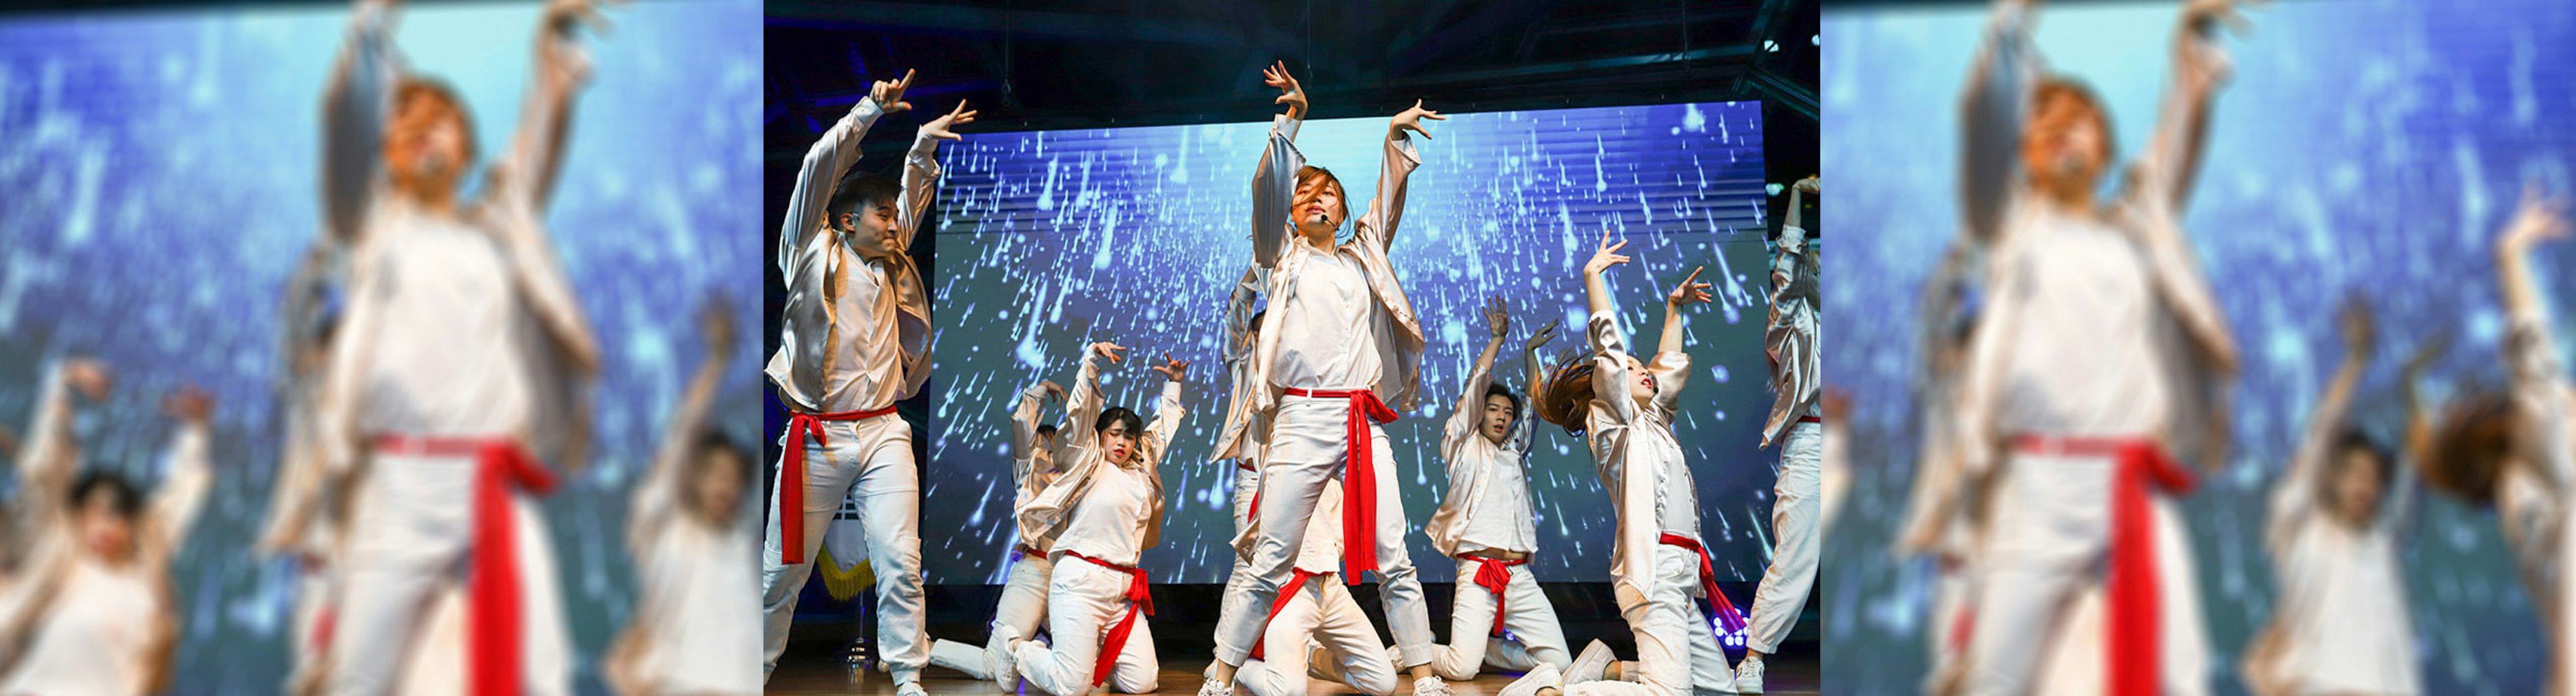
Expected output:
(874, 456)
(1527, 615)
(1238, 582)
(1350, 651)
(1307, 447)
(1022, 607)
(2048, 537)
(410, 539)
(1084, 601)
(1794, 517)
(1677, 648)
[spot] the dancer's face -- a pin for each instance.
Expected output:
(870, 230)
(1118, 442)
(1641, 380)
(2355, 488)
(109, 535)
(425, 151)
(2064, 147)
(1498, 417)
(1318, 208)
(717, 492)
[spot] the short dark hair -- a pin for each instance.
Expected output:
(715, 441)
(1343, 201)
(416, 86)
(859, 190)
(1256, 319)
(1118, 414)
(123, 497)
(1046, 431)
(1495, 389)
(2053, 86)
(2354, 439)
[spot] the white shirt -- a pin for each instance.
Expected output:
(2083, 343)
(1103, 510)
(1330, 327)
(2343, 606)
(93, 635)
(433, 344)
(1636, 455)
(854, 332)
(1488, 503)
(1109, 522)
(701, 589)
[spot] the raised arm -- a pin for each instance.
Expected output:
(1086, 404)
(1024, 428)
(2297, 494)
(183, 488)
(2530, 349)
(1167, 410)
(536, 151)
(1238, 318)
(1533, 371)
(354, 107)
(1991, 114)
(921, 171)
(1609, 345)
(46, 464)
(809, 203)
(657, 496)
(1671, 365)
(1377, 226)
(2171, 161)
(2419, 431)
(1467, 420)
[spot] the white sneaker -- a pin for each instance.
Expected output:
(998, 657)
(1592, 665)
(1431, 686)
(1748, 675)
(1544, 676)
(910, 689)
(1212, 687)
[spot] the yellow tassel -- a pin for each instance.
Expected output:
(844, 584)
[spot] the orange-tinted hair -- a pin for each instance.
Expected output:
(2470, 446)
(1310, 173)
(1565, 396)
(2054, 86)
(420, 86)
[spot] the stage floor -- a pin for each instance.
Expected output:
(824, 675)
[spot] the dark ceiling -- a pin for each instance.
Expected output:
(1046, 64)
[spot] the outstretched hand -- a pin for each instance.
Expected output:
(940, 127)
(2359, 329)
(2542, 217)
(889, 93)
(1053, 391)
(89, 376)
(1175, 370)
(1606, 256)
(1290, 93)
(1807, 184)
(715, 324)
(1497, 317)
(1411, 119)
(2204, 17)
(1109, 350)
(566, 15)
(1691, 290)
(189, 404)
(1540, 339)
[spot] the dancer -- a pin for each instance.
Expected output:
(1023, 603)
(2102, 358)
(1346, 343)
(1625, 407)
(1486, 523)
(2513, 448)
(304, 519)
(693, 631)
(1103, 512)
(1244, 437)
(1317, 628)
(461, 333)
(855, 340)
(1796, 425)
(94, 612)
(2334, 549)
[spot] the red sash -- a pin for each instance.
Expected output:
(1139, 598)
(1359, 478)
(492, 618)
(1819, 420)
(1494, 574)
(2130, 615)
(791, 476)
(1724, 608)
(1296, 583)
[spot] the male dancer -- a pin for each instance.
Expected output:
(855, 340)
(693, 630)
(1102, 513)
(1625, 407)
(440, 376)
(95, 614)
(1344, 338)
(1797, 426)
(1487, 524)
(1023, 603)
(2102, 355)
